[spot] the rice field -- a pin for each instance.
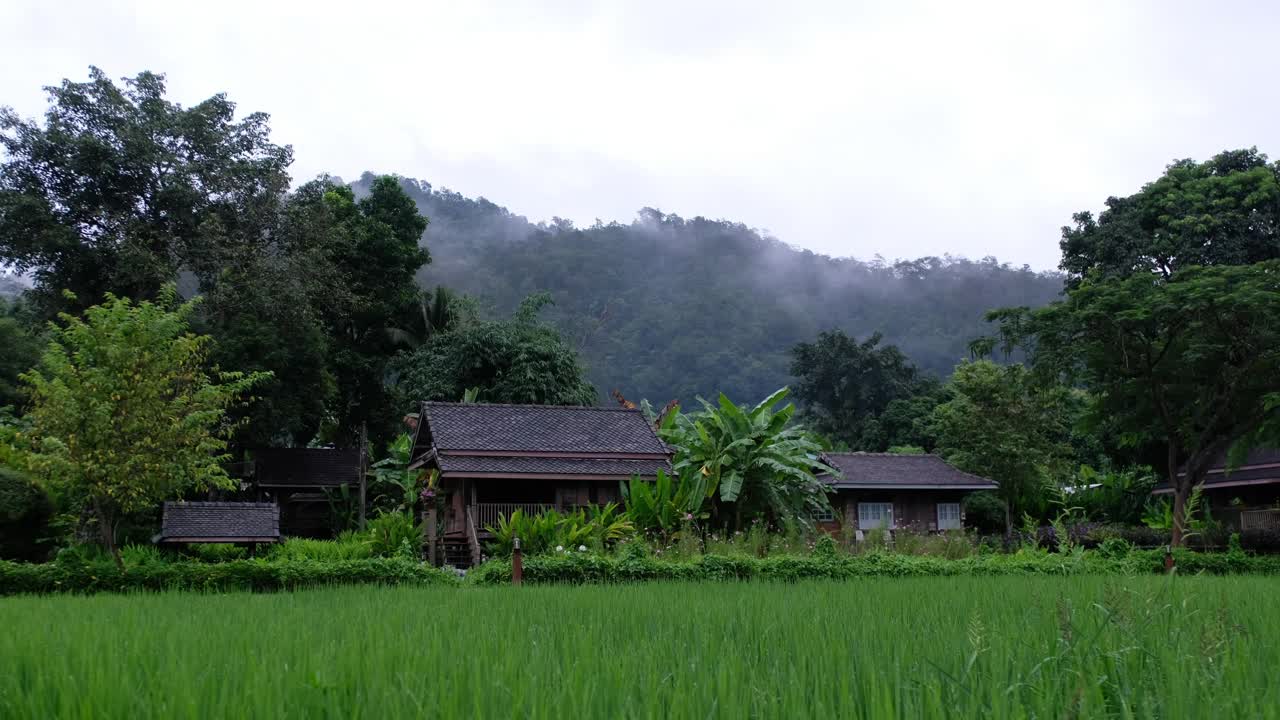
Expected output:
(966, 647)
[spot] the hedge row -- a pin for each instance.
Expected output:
(256, 575)
(266, 575)
(582, 568)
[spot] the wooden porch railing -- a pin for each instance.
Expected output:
(1268, 519)
(487, 513)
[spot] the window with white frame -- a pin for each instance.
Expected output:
(948, 516)
(824, 515)
(873, 515)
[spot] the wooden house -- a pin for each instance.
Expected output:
(881, 490)
(301, 481)
(494, 459)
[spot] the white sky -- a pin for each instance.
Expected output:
(893, 128)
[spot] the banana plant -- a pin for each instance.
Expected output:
(755, 461)
(393, 473)
(665, 504)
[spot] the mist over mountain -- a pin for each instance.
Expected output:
(11, 285)
(668, 307)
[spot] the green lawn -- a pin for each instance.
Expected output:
(911, 648)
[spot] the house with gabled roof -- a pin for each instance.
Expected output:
(884, 490)
(494, 459)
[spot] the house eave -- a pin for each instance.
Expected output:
(541, 476)
(552, 454)
(1224, 484)
(901, 486)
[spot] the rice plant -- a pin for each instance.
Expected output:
(953, 647)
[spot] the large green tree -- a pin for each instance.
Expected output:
(999, 424)
(1187, 363)
(519, 360)
(363, 290)
(120, 189)
(125, 412)
(847, 387)
(1171, 314)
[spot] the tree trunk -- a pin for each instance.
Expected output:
(107, 529)
(1179, 516)
(1181, 488)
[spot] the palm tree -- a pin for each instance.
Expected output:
(438, 312)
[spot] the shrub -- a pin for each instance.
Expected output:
(389, 531)
(348, 546)
(985, 512)
(597, 527)
(256, 575)
(825, 547)
(1115, 548)
(215, 552)
(140, 555)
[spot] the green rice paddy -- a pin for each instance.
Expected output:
(1089, 647)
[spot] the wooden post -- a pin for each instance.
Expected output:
(431, 533)
(517, 563)
(364, 440)
(1168, 559)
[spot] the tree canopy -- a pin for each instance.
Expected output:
(848, 389)
(998, 424)
(1224, 211)
(124, 412)
(120, 188)
(1172, 315)
(519, 360)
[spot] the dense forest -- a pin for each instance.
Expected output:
(667, 307)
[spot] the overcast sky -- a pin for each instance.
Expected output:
(892, 128)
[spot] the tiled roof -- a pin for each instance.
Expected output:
(539, 428)
(306, 467)
(551, 466)
(228, 521)
(904, 471)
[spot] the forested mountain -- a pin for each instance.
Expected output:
(10, 285)
(667, 307)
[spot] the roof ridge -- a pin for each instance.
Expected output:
(532, 405)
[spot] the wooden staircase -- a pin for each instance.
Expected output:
(457, 552)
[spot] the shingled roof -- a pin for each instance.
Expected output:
(219, 522)
(539, 428)
(306, 467)
(900, 472)
(538, 441)
(460, 464)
